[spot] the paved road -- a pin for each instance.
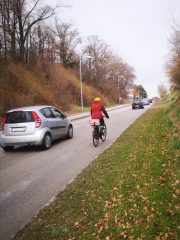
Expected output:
(30, 178)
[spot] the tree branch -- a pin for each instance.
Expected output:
(40, 18)
(30, 13)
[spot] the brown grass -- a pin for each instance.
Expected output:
(43, 84)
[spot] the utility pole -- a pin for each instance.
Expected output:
(80, 76)
(118, 90)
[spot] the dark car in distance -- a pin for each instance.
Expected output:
(137, 103)
(150, 100)
(145, 101)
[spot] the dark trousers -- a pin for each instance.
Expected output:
(102, 122)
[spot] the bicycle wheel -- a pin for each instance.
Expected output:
(96, 136)
(103, 133)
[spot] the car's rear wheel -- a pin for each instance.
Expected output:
(70, 132)
(8, 148)
(47, 142)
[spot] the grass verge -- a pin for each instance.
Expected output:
(129, 192)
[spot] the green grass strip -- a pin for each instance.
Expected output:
(129, 192)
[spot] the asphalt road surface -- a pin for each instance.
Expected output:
(31, 178)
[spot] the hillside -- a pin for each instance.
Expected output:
(43, 84)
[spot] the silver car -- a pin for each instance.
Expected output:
(34, 125)
(145, 101)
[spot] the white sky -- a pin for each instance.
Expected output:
(137, 30)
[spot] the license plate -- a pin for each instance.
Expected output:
(18, 129)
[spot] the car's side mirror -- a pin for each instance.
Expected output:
(64, 116)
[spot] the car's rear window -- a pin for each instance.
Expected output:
(19, 117)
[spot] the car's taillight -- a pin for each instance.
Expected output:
(36, 119)
(3, 123)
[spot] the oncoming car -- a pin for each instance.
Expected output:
(34, 125)
(145, 101)
(137, 103)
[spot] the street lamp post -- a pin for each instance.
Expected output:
(120, 77)
(118, 90)
(80, 75)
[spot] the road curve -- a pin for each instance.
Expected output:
(30, 178)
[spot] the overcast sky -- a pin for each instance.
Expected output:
(137, 30)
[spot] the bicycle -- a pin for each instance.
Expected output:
(99, 131)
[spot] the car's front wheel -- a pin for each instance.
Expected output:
(70, 132)
(8, 148)
(47, 142)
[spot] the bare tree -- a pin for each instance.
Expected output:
(100, 56)
(27, 20)
(107, 71)
(8, 27)
(17, 22)
(162, 90)
(121, 76)
(173, 66)
(67, 41)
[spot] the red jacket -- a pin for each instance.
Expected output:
(97, 110)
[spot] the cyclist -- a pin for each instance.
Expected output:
(97, 110)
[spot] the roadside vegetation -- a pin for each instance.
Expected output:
(131, 191)
(21, 86)
(40, 63)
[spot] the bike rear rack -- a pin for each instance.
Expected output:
(94, 122)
